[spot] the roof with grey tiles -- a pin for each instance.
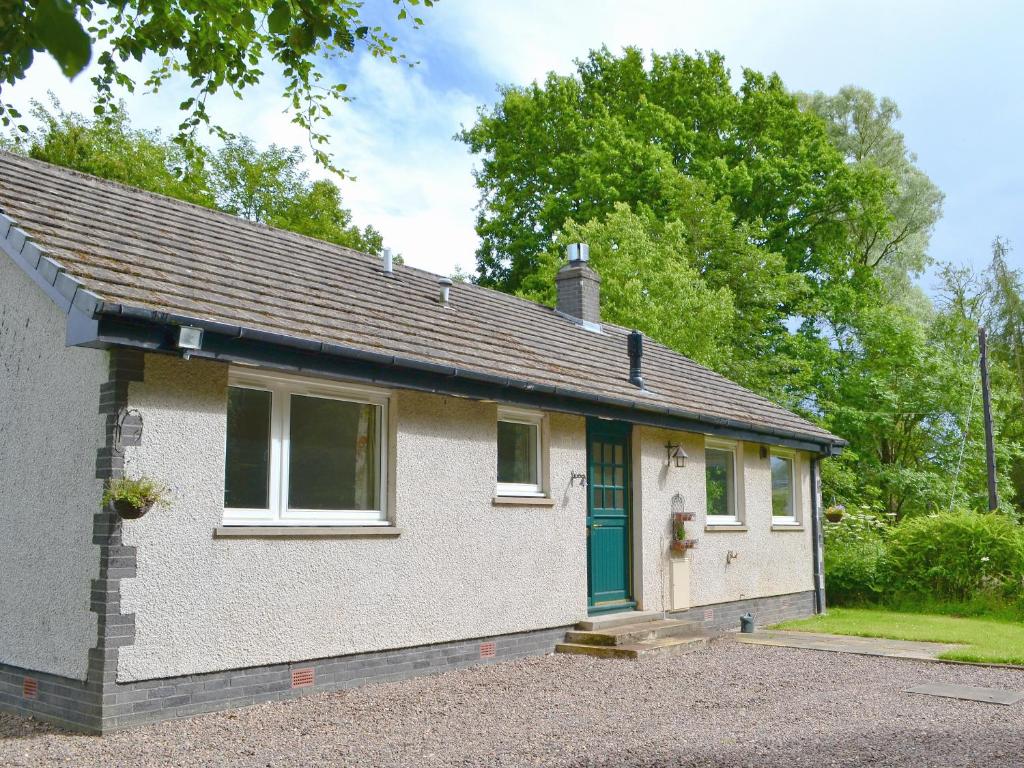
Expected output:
(137, 249)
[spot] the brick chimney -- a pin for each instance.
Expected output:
(579, 287)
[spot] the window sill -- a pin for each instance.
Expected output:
(304, 532)
(523, 501)
(787, 526)
(725, 527)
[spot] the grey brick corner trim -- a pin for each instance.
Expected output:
(117, 561)
(46, 272)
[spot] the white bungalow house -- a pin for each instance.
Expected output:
(372, 473)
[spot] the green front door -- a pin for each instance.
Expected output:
(608, 503)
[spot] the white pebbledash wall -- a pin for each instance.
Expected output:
(771, 560)
(461, 568)
(50, 430)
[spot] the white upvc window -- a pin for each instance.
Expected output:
(785, 487)
(722, 475)
(520, 452)
(304, 452)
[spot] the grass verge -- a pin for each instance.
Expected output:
(991, 640)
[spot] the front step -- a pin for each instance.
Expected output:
(609, 620)
(630, 636)
(633, 633)
(657, 647)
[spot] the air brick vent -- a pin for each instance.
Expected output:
(302, 678)
(709, 614)
(30, 688)
(488, 650)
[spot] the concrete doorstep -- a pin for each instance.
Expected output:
(632, 636)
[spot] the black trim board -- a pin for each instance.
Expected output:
(155, 332)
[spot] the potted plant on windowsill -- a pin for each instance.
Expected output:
(131, 498)
(835, 513)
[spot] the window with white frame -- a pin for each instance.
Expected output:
(721, 483)
(304, 452)
(520, 452)
(784, 487)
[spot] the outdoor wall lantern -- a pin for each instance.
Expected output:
(676, 454)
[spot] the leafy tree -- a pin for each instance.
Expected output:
(618, 131)
(678, 308)
(1005, 289)
(267, 186)
(1002, 295)
(113, 149)
(214, 44)
(270, 186)
(746, 172)
(891, 228)
(903, 388)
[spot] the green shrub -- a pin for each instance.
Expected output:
(855, 572)
(855, 556)
(958, 556)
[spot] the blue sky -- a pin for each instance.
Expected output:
(954, 69)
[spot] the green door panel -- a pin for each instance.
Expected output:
(608, 514)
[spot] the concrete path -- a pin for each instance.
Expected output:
(866, 646)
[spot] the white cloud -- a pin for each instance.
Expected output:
(414, 183)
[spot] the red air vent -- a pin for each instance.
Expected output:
(30, 688)
(709, 614)
(488, 650)
(302, 678)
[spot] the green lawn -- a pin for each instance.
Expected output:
(990, 640)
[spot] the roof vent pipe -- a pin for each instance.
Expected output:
(446, 285)
(636, 355)
(389, 264)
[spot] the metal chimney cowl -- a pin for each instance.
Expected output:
(579, 286)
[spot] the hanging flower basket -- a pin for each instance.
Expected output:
(131, 498)
(126, 510)
(835, 513)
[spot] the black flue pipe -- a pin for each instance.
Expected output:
(636, 356)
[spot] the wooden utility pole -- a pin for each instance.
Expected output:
(990, 445)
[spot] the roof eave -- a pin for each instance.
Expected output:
(93, 322)
(119, 325)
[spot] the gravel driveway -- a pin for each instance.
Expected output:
(726, 705)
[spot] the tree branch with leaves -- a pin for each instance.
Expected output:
(216, 44)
